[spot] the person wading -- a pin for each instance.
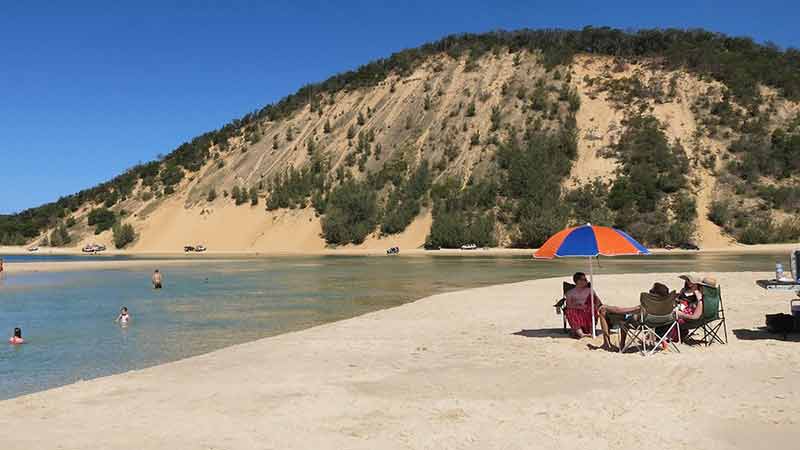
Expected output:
(156, 279)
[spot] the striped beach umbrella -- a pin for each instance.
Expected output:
(590, 241)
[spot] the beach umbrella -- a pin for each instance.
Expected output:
(590, 241)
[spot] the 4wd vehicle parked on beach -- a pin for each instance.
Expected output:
(93, 248)
(188, 248)
(200, 248)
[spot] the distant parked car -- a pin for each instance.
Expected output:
(689, 246)
(469, 247)
(200, 248)
(393, 251)
(33, 249)
(188, 248)
(93, 248)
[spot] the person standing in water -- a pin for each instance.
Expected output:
(17, 337)
(156, 279)
(123, 318)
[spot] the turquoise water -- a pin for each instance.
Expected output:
(67, 318)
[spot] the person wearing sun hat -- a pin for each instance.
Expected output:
(690, 299)
(692, 290)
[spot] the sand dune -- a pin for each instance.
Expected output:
(480, 369)
(224, 227)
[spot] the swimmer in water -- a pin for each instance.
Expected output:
(17, 337)
(156, 279)
(123, 318)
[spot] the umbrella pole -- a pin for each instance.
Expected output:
(591, 293)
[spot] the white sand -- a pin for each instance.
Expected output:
(448, 371)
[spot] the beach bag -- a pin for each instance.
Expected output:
(780, 323)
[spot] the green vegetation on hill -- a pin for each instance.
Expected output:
(102, 219)
(530, 182)
(404, 201)
(463, 216)
(351, 213)
(123, 234)
(762, 172)
(650, 197)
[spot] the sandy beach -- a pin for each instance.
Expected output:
(481, 369)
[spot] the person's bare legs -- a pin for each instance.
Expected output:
(621, 310)
(604, 326)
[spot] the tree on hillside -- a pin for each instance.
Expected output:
(123, 234)
(351, 214)
(60, 236)
(102, 219)
(253, 196)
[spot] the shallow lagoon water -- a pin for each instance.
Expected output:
(67, 317)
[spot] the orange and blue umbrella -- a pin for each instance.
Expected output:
(590, 240)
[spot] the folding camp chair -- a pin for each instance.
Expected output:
(656, 321)
(712, 320)
(561, 304)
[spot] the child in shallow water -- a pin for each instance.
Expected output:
(123, 317)
(17, 337)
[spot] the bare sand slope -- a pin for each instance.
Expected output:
(481, 369)
(222, 226)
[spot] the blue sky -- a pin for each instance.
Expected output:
(91, 88)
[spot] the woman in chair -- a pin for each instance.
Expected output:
(579, 306)
(690, 301)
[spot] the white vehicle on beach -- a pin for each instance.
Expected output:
(469, 247)
(200, 248)
(33, 249)
(93, 248)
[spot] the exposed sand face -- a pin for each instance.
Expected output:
(224, 227)
(486, 368)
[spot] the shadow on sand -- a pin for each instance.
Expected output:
(543, 333)
(762, 333)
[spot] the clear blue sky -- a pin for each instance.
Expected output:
(88, 89)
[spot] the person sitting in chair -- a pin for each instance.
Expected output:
(609, 315)
(578, 308)
(690, 301)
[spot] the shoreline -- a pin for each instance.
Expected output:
(430, 373)
(492, 251)
(166, 259)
